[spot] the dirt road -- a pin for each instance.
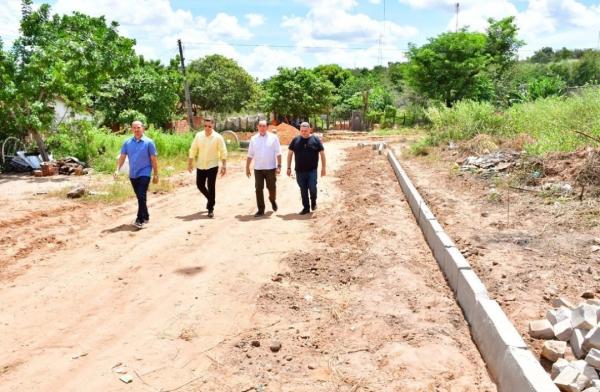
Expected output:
(351, 293)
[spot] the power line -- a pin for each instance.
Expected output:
(288, 46)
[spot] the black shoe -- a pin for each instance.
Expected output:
(259, 214)
(274, 205)
(313, 206)
(139, 224)
(304, 212)
(211, 214)
(146, 221)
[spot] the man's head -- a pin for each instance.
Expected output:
(138, 129)
(208, 124)
(262, 127)
(305, 130)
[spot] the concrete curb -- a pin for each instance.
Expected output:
(511, 364)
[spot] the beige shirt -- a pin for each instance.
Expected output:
(207, 151)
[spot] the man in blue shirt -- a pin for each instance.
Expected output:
(141, 152)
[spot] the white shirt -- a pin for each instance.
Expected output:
(264, 150)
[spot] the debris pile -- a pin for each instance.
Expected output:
(67, 166)
(572, 344)
(496, 161)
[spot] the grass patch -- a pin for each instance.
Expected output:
(540, 126)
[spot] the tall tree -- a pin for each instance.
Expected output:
(450, 67)
(298, 92)
(219, 84)
(67, 57)
(502, 44)
(150, 89)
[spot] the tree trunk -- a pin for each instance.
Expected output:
(40, 144)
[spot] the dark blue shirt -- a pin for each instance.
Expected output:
(139, 152)
(306, 152)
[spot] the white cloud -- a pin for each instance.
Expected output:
(333, 32)
(255, 20)
(375, 1)
(10, 15)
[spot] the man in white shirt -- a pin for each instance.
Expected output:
(264, 148)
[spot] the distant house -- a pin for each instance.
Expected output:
(62, 112)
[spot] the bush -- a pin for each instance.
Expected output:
(99, 147)
(549, 123)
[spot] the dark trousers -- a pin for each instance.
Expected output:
(140, 187)
(260, 177)
(307, 181)
(205, 181)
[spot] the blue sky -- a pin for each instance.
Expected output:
(265, 34)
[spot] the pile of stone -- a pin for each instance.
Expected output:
(571, 332)
(496, 161)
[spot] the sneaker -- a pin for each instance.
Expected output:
(211, 214)
(259, 214)
(313, 206)
(274, 205)
(304, 212)
(138, 224)
(146, 221)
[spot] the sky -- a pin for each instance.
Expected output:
(263, 35)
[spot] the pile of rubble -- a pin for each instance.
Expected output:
(67, 166)
(571, 332)
(496, 161)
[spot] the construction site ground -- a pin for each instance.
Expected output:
(348, 298)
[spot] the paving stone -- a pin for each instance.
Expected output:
(553, 350)
(541, 329)
(558, 367)
(593, 358)
(576, 342)
(559, 302)
(563, 330)
(571, 380)
(557, 315)
(592, 389)
(585, 316)
(592, 339)
(586, 369)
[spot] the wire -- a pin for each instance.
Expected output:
(282, 46)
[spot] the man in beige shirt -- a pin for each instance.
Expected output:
(207, 149)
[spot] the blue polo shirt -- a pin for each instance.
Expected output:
(138, 152)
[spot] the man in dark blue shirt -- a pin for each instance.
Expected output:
(307, 149)
(141, 152)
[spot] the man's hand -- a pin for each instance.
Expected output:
(190, 168)
(248, 172)
(278, 171)
(155, 179)
(323, 172)
(116, 174)
(223, 171)
(289, 171)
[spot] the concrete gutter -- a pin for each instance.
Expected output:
(510, 362)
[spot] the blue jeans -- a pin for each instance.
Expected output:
(140, 187)
(308, 183)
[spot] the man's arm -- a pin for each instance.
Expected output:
(154, 162)
(323, 163)
(192, 155)
(278, 155)
(289, 162)
(120, 162)
(223, 156)
(249, 159)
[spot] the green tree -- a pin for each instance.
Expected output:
(67, 57)
(150, 89)
(297, 92)
(450, 67)
(588, 69)
(502, 44)
(219, 84)
(334, 73)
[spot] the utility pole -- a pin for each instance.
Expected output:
(186, 87)
(457, 10)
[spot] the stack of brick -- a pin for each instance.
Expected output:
(571, 332)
